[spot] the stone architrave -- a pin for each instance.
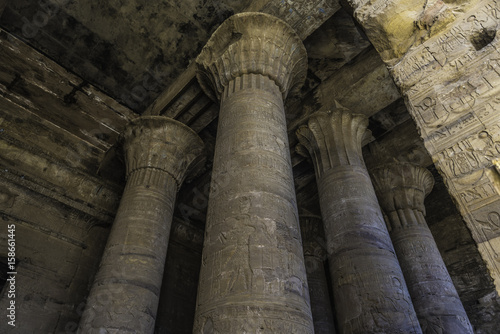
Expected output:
(401, 189)
(369, 290)
(444, 58)
(253, 277)
(313, 241)
(159, 152)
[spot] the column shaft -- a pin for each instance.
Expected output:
(253, 272)
(253, 278)
(125, 293)
(127, 286)
(369, 290)
(449, 82)
(321, 307)
(313, 241)
(401, 189)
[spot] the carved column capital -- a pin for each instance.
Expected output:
(401, 186)
(162, 143)
(252, 43)
(313, 236)
(333, 138)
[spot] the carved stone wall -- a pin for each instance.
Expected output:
(450, 80)
(55, 260)
(463, 260)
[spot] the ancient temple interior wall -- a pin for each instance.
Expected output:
(62, 172)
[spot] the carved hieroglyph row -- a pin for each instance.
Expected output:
(451, 84)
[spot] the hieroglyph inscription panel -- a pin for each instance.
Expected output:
(451, 84)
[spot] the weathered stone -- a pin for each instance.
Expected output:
(450, 84)
(252, 276)
(125, 294)
(369, 289)
(467, 269)
(395, 26)
(180, 280)
(55, 259)
(401, 189)
(313, 241)
(58, 132)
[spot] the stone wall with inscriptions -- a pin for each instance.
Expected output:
(451, 87)
(450, 81)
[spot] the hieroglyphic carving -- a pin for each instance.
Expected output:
(368, 284)
(488, 222)
(470, 155)
(444, 113)
(448, 50)
(451, 85)
(487, 233)
(413, 67)
(477, 193)
(252, 274)
(159, 153)
(436, 301)
(458, 118)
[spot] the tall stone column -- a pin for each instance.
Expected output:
(125, 294)
(447, 68)
(401, 189)
(252, 278)
(369, 289)
(313, 241)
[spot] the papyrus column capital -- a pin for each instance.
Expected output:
(252, 43)
(162, 143)
(333, 138)
(402, 186)
(401, 189)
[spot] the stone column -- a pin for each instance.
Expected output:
(125, 294)
(253, 278)
(369, 289)
(401, 189)
(313, 241)
(447, 68)
(180, 279)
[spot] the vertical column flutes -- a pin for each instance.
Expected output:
(369, 289)
(253, 278)
(401, 189)
(124, 297)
